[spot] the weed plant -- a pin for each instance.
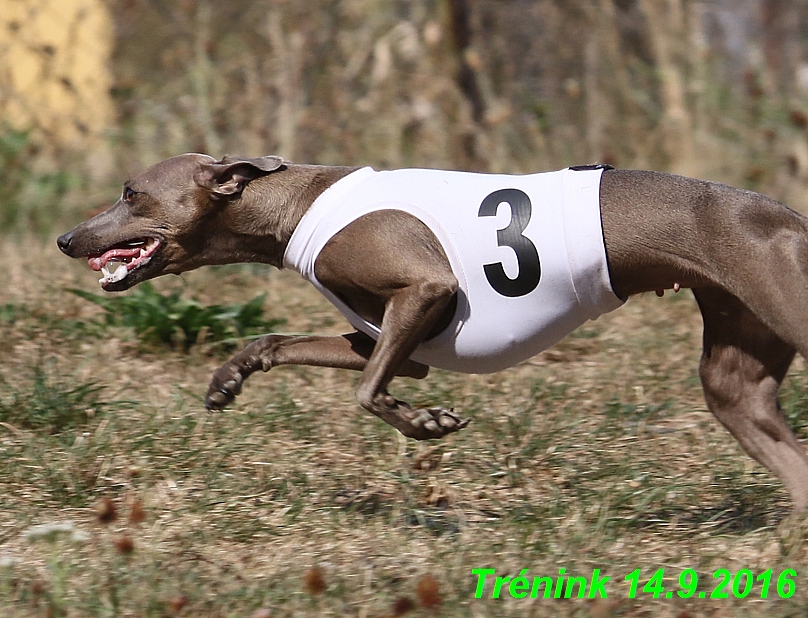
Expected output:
(49, 402)
(169, 319)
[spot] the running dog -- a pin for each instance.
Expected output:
(477, 272)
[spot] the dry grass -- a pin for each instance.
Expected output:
(597, 454)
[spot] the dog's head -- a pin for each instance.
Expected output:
(161, 222)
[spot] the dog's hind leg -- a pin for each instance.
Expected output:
(346, 352)
(742, 366)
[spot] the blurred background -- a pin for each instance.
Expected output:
(597, 454)
(92, 91)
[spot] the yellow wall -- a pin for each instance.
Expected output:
(54, 69)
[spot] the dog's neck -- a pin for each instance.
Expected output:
(261, 221)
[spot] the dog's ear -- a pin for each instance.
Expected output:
(229, 176)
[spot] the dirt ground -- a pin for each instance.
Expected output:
(597, 454)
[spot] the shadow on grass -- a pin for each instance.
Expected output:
(438, 519)
(742, 510)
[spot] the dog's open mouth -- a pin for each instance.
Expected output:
(117, 262)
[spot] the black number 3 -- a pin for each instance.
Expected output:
(526, 255)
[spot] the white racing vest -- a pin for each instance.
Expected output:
(527, 251)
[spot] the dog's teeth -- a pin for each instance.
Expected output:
(113, 276)
(119, 274)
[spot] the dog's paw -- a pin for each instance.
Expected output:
(224, 387)
(431, 423)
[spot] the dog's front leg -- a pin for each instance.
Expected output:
(408, 317)
(391, 270)
(346, 352)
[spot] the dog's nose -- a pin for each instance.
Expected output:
(64, 241)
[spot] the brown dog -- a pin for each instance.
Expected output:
(745, 257)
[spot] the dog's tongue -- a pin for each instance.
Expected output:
(98, 261)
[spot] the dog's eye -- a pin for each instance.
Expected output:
(128, 194)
